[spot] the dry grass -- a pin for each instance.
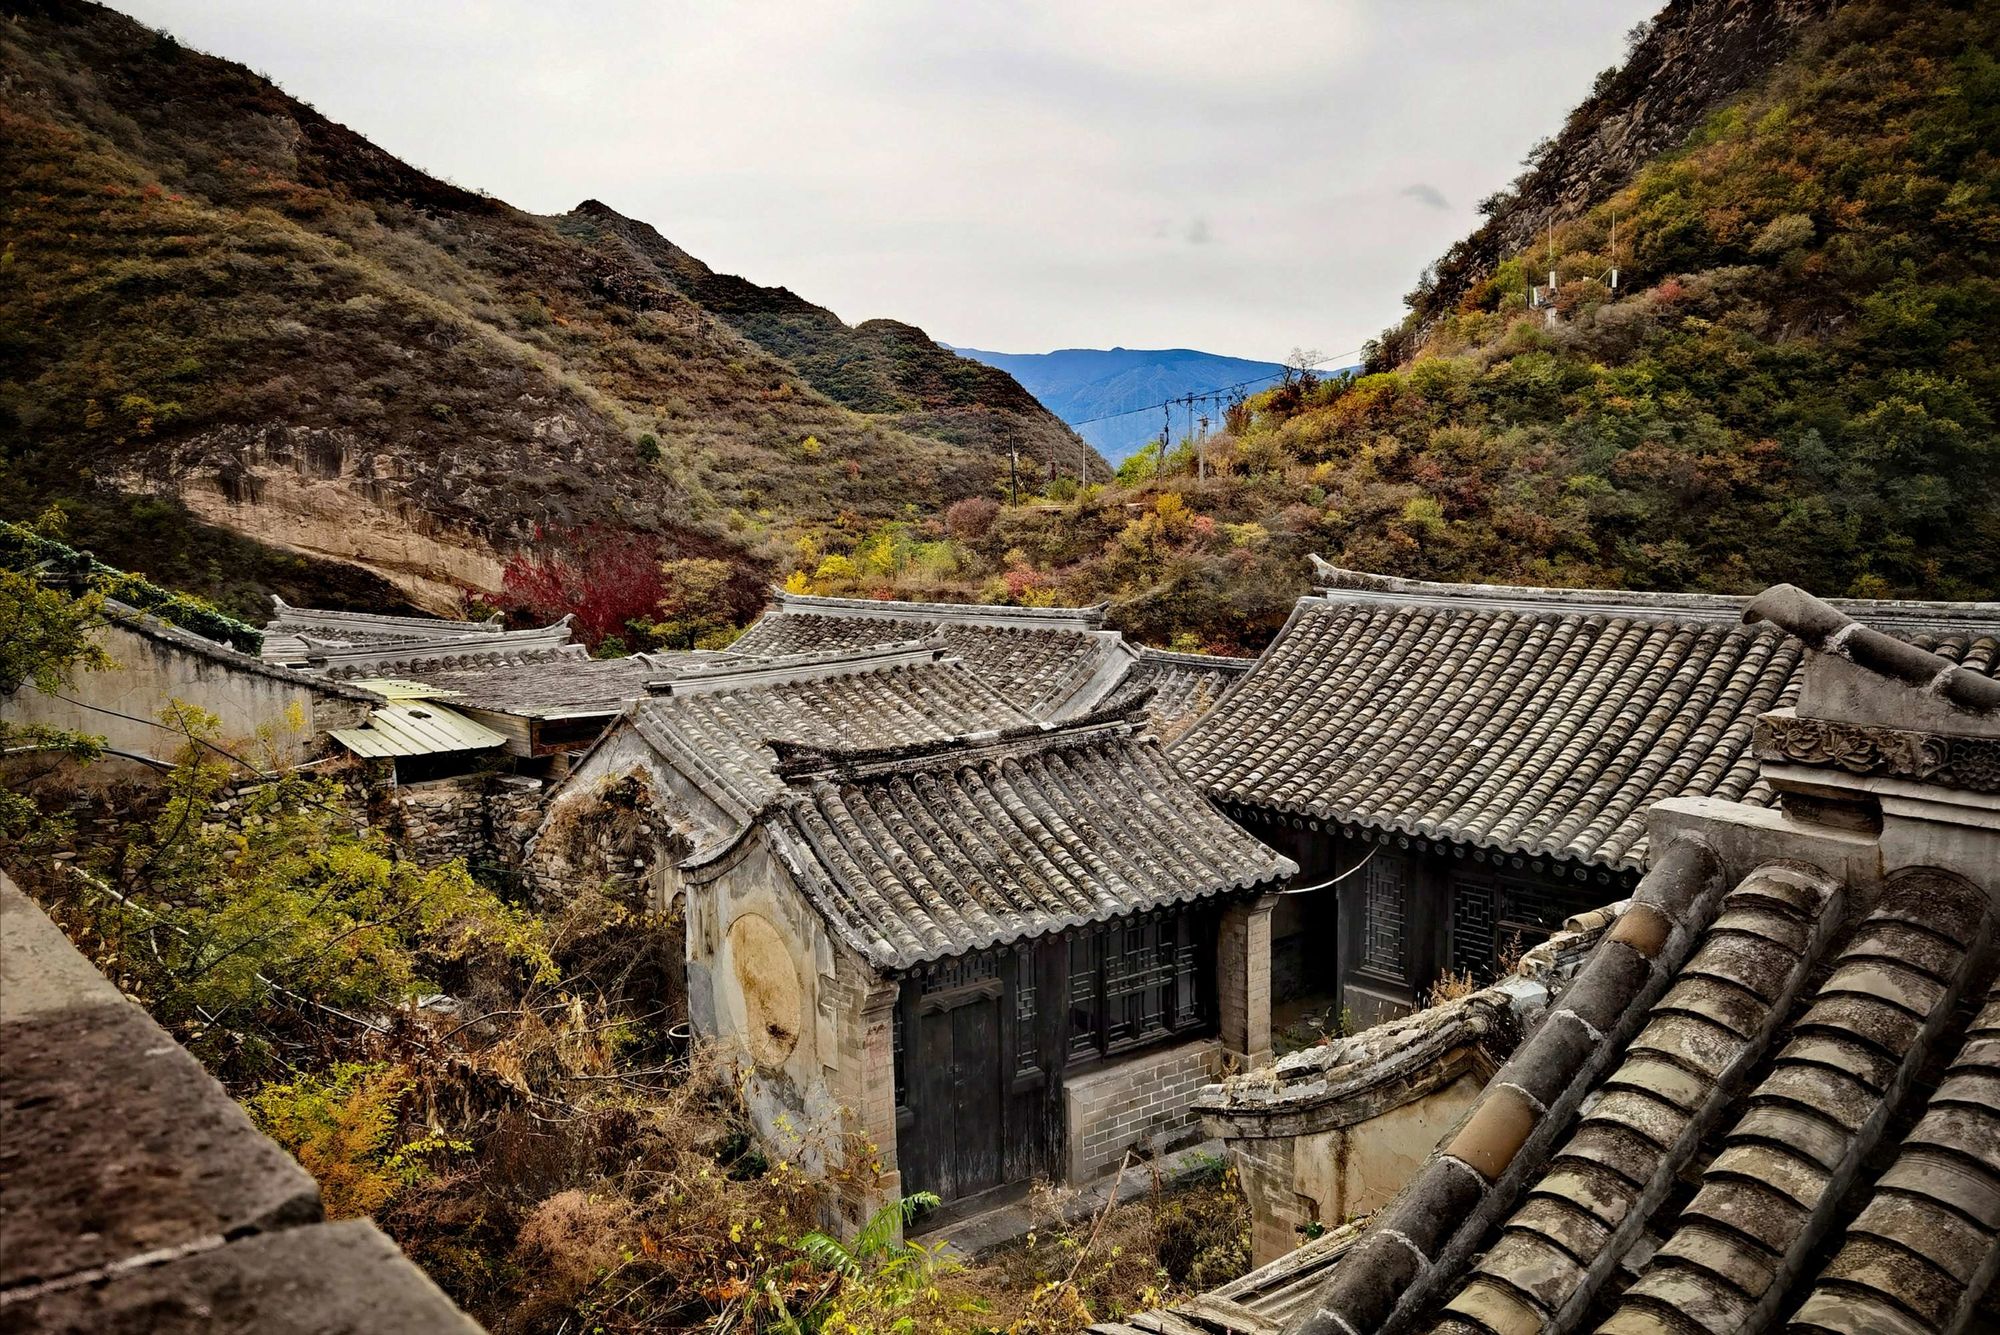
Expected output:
(1066, 1275)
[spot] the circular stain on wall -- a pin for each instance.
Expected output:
(773, 1000)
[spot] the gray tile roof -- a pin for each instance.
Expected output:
(1804, 1126)
(912, 853)
(561, 683)
(1769, 1095)
(1184, 687)
(547, 646)
(1543, 721)
(715, 724)
(292, 632)
(1049, 660)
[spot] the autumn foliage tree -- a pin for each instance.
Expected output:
(604, 577)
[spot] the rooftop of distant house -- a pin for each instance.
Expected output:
(1538, 721)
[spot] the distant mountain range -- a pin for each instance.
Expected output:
(1085, 386)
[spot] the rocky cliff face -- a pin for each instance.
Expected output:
(1693, 55)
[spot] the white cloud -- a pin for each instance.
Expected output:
(1018, 174)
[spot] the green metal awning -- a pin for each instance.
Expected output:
(416, 729)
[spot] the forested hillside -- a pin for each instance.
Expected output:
(1796, 378)
(214, 295)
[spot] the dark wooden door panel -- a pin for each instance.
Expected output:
(955, 1133)
(976, 1105)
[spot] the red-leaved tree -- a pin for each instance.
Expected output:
(604, 576)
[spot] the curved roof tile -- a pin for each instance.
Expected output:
(918, 852)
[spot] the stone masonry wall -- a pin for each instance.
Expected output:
(1140, 1103)
(485, 819)
(136, 1195)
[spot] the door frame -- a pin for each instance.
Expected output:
(1028, 1116)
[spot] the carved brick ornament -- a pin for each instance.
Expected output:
(1971, 763)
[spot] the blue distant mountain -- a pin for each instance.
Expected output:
(1081, 384)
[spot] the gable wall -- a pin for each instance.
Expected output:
(147, 674)
(807, 1021)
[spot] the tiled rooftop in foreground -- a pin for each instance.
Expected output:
(1770, 1098)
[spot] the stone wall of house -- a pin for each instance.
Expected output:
(121, 703)
(602, 827)
(1142, 1103)
(767, 984)
(484, 818)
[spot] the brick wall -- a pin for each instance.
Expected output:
(1139, 1102)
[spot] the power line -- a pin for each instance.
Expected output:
(1218, 389)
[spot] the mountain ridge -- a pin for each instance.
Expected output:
(243, 309)
(1793, 379)
(1105, 394)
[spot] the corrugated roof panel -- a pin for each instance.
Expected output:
(417, 730)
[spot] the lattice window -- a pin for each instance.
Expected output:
(1472, 927)
(1383, 917)
(1138, 980)
(1187, 979)
(1134, 982)
(1530, 905)
(1027, 1047)
(961, 971)
(1085, 1016)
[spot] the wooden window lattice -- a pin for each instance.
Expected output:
(901, 1061)
(1135, 982)
(1382, 926)
(1472, 927)
(1027, 1050)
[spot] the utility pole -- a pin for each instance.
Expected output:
(1201, 448)
(1014, 467)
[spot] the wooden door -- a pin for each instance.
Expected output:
(959, 1110)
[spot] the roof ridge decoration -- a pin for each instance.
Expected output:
(1822, 627)
(1338, 584)
(1225, 662)
(992, 614)
(800, 762)
(790, 669)
(284, 611)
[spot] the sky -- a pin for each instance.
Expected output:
(1243, 178)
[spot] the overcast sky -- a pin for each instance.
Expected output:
(1235, 177)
